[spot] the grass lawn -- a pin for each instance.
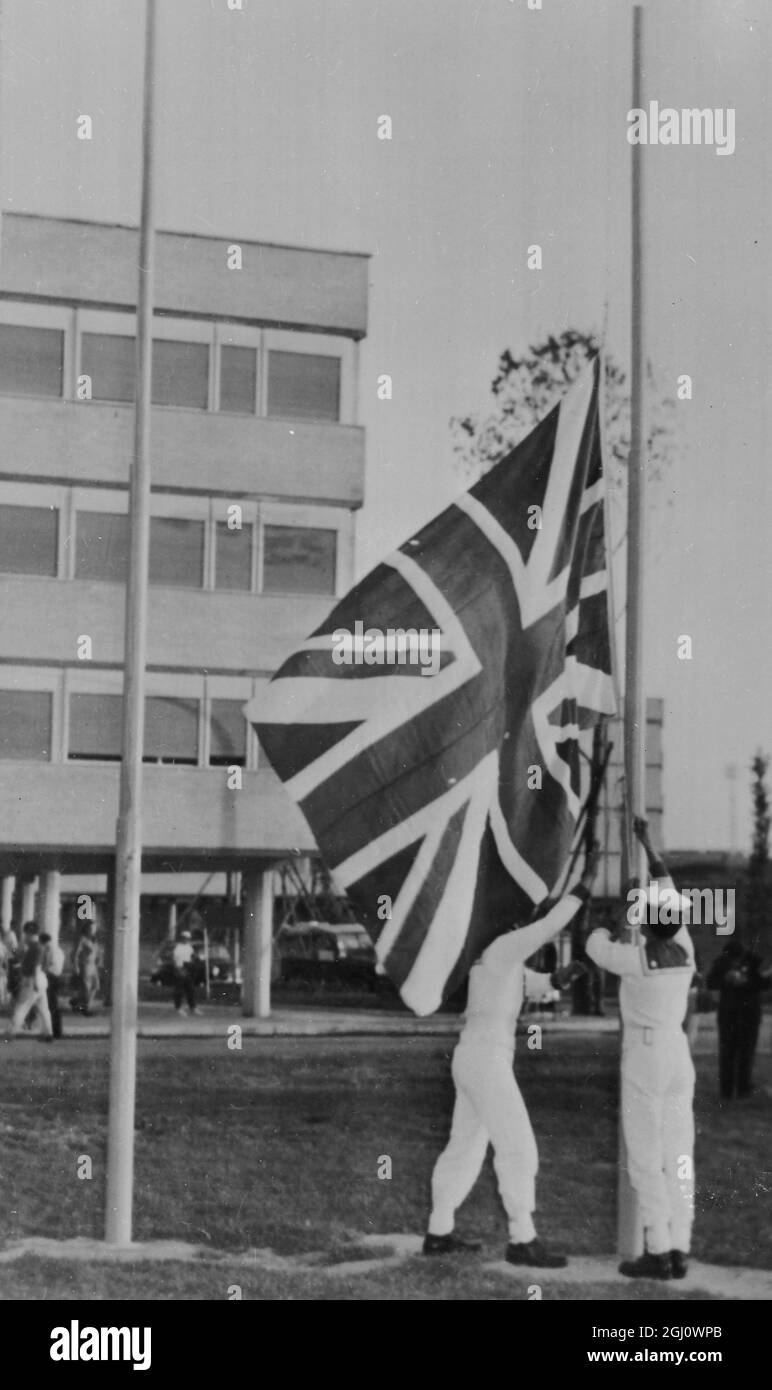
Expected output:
(279, 1146)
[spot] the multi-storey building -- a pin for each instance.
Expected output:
(257, 470)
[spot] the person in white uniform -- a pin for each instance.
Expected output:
(657, 1068)
(489, 1107)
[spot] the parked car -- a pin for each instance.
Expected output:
(220, 964)
(321, 953)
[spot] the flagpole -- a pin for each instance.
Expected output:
(123, 1034)
(629, 1234)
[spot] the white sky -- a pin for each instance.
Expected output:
(509, 128)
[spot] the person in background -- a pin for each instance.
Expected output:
(53, 965)
(739, 977)
(33, 985)
(184, 967)
(85, 963)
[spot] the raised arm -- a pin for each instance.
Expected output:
(522, 943)
(616, 956)
(657, 867)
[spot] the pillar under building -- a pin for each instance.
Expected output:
(6, 903)
(28, 891)
(49, 910)
(257, 906)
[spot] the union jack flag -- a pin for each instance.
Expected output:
(422, 790)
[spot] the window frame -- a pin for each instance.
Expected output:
(165, 327)
(87, 682)
(169, 329)
(110, 323)
(218, 514)
(158, 685)
(164, 505)
(228, 334)
(15, 313)
(36, 681)
(306, 517)
(312, 345)
(239, 688)
(90, 499)
(47, 497)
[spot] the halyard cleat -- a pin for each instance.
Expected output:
(534, 1253)
(679, 1264)
(450, 1244)
(648, 1267)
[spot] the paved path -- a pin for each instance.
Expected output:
(159, 1020)
(718, 1281)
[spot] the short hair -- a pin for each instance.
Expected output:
(30, 927)
(45, 936)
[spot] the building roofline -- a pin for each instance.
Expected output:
(197, 236)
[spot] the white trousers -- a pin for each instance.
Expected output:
(489, 1109)
(33, 994)
(658, 1126)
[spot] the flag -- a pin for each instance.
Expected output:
(439, 769)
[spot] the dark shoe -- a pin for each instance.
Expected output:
(533, 1252)
(679, 1264)
(46, 1037)
(451, 1244)
(647, 1267)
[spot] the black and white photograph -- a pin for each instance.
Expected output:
(385, 669)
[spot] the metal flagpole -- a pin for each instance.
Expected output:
(123, 1037)
(629, 1234)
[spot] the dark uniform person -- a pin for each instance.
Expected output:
(738, 976)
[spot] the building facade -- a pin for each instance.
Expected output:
(257, 472)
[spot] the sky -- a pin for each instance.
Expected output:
(508, 129)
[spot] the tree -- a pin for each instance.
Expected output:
(756, 912)
(526, 388)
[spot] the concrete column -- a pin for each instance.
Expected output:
(171, 921)
(6, 903)
(28, 899)
(257, 904)
(108, 942)
(50, 903)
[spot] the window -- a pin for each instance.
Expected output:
(228, 734)
(102, 546)
(171, 730)
(25, 724)
(303, 386)
(176, 552)
(28, 540)
(108, 359)
(180, 369)
(176, 549)
(234, 557)
(298, 560)
(180, 373)
(95, 727)
(31, 360)
(238, 379)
